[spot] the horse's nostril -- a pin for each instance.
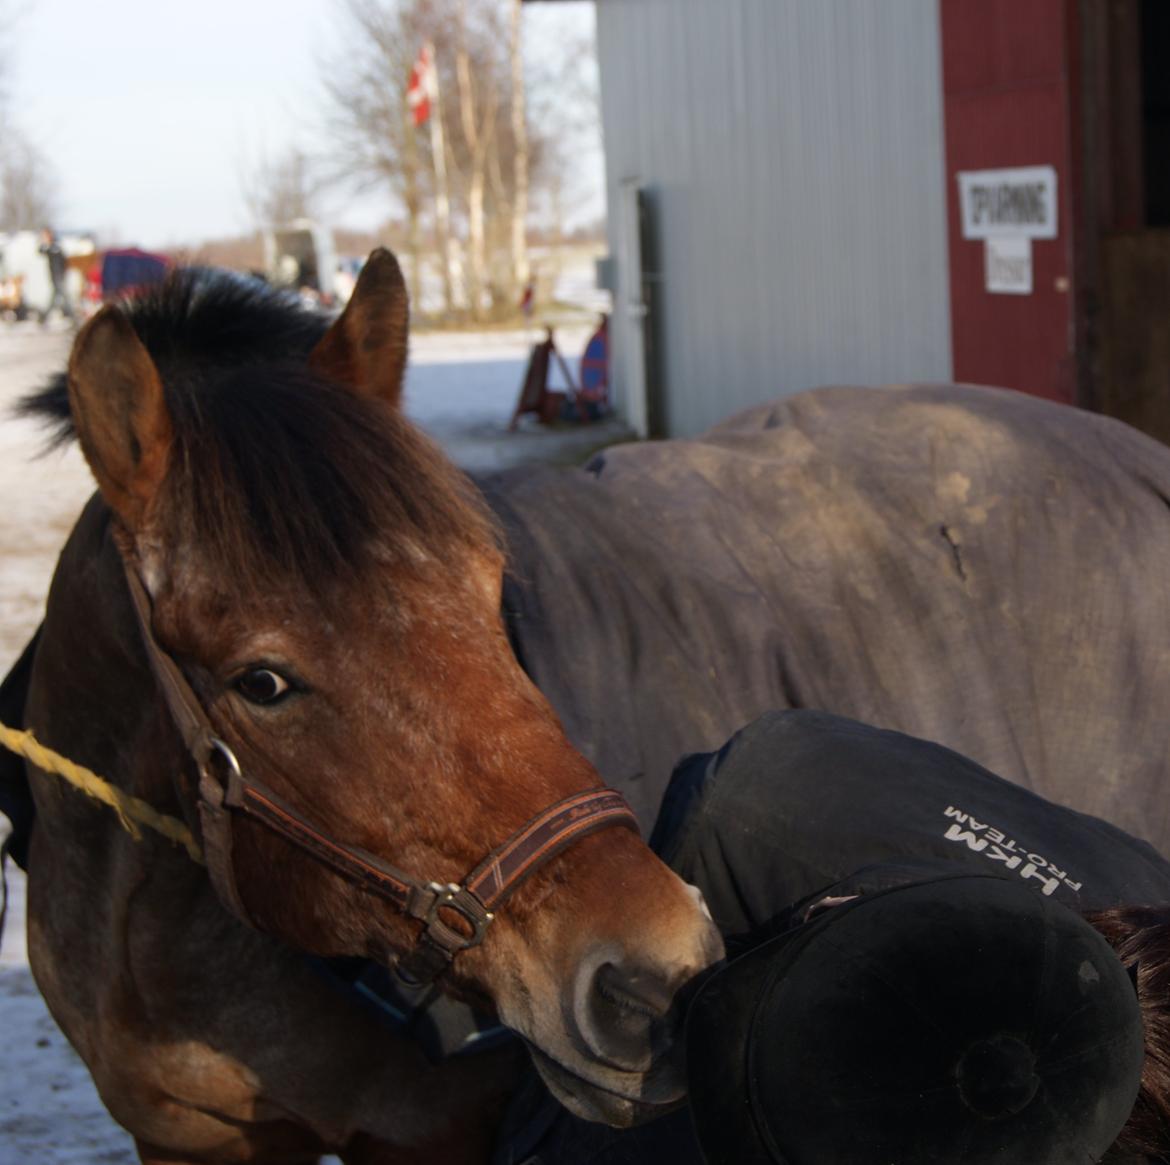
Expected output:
(626, 1015)
(635, 990)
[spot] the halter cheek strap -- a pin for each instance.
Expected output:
(454, 916)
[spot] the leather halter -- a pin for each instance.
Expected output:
(455, 915)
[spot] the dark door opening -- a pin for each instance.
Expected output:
(1154, 32)
(1131, 103)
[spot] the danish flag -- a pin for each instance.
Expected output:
(420, 87)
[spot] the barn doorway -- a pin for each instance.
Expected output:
(1127, 195)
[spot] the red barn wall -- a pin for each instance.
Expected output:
(1007, 91)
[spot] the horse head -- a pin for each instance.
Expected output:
(329, 586)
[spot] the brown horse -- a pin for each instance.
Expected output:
(327, 589)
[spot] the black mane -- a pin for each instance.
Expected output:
(272, 466)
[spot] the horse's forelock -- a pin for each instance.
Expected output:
(275, 470)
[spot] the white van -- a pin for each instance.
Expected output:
(300, 256)
(21, 260)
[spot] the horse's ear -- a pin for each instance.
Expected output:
(365, 350)
(120, 414)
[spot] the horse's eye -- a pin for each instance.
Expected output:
(261, 685)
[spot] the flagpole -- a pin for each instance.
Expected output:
(439, 160)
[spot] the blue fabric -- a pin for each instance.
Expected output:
(123, 270)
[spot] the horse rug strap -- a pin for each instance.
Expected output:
(455, 915)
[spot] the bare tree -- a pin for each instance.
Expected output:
(519, 232)
(439, 150)
(564, 109)
(281, 189)
(434, 170)
(371, 127)
(478, 108)
(7, 36)
(28, 188)
(28, 185)
(475, 170)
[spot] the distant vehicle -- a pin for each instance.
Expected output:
(299, 255)
(25, 285)
(349, 267)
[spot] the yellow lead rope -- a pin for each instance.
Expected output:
(132, 812)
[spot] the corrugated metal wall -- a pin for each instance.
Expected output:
(792, 154)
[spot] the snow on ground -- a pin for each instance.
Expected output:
(460, 387)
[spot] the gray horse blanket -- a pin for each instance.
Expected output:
(977, 567)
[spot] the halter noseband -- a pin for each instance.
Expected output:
(455, 916)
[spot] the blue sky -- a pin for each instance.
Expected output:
(152, 112)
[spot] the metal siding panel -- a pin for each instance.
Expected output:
(793, 152)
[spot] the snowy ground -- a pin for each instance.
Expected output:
(461, 388)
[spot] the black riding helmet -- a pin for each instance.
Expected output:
(963, 1020)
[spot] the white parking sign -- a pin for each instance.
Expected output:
(1018, 203)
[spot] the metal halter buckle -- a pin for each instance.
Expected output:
(459, 899)
(220, 783)
(216, 745)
